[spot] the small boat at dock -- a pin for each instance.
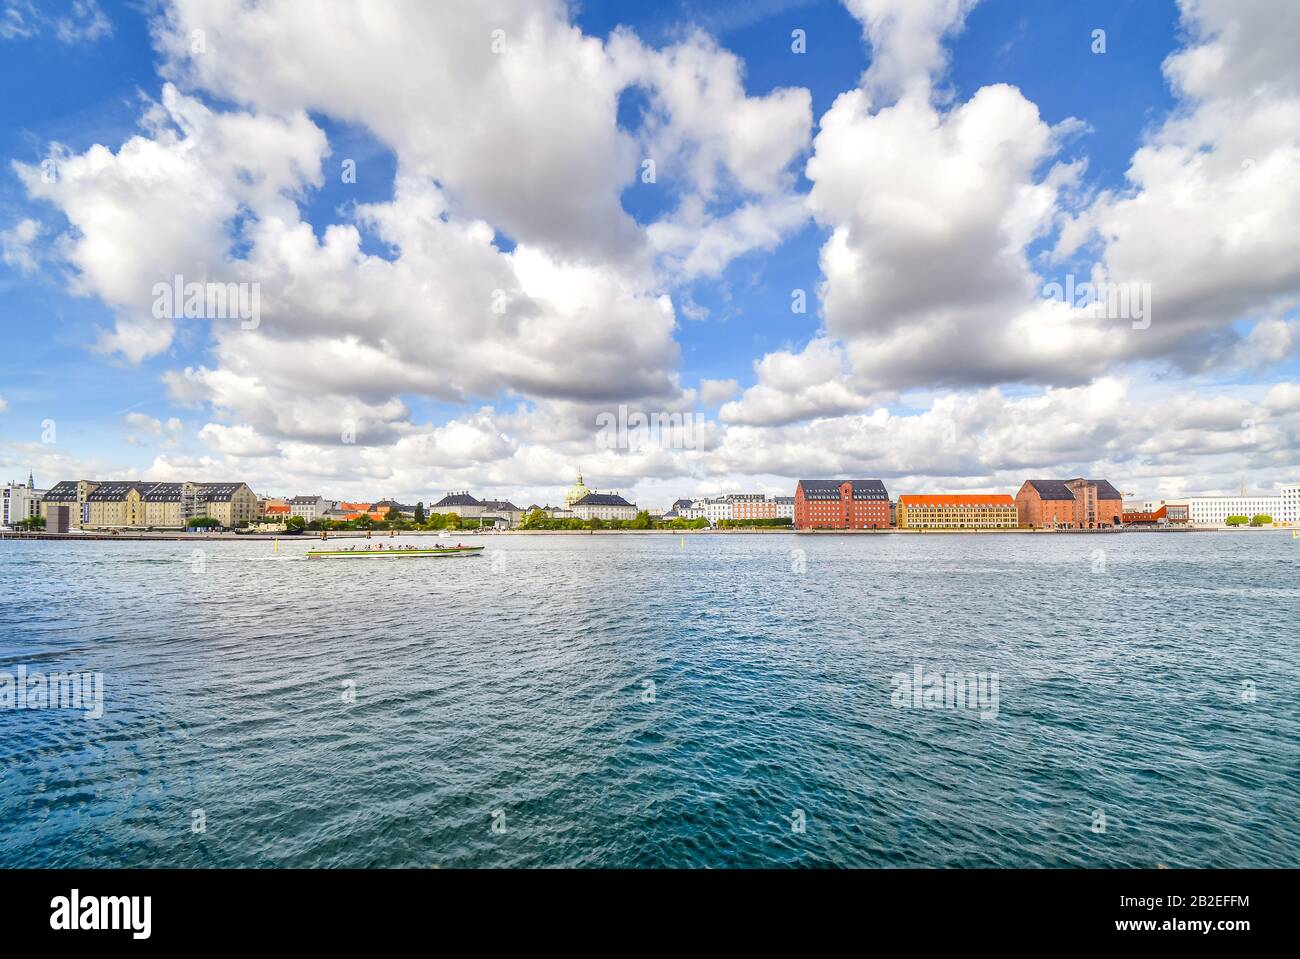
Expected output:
(393, 552)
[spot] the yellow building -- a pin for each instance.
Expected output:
(129, 504)
(115, 505)
(231, 503)
(957, 511)
(72, 494)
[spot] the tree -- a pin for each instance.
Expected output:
(1261, 519)
(295, 524)
(31, 523)
(363, 521)
(1236, 521)
(642, 520)
(453, 521)
(535, 518)
(203, 522)
(419, 513)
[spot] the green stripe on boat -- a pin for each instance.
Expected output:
(389, 551)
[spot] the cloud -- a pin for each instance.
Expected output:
(1211, 214)
(713, 392)
(906, 38)
(163, 434)
(72, 21)
(16, 245)
(796, 386)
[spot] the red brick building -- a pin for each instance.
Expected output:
(841, 504)
(1069, 504)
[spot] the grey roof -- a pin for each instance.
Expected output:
(113, 492)
(830, 489)
(1106, 491)
(678, 504)
(218, 492)
(456, 499)
(782, 499)
(63, 491)
(306, 499)
(162, 493)
(1051, 489)
(501, 504)
(603, 499)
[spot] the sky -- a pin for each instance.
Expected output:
(465, 241)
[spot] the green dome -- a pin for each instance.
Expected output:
(576, 492)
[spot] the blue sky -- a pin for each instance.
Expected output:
(848, 386)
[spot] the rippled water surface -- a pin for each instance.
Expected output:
(652, 701)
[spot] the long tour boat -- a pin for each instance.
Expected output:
(394, 552)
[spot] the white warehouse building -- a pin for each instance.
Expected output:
(1215, 510)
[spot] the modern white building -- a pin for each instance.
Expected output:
(1215, 510)
(784, 507)
(1290, 505)
(19, 501)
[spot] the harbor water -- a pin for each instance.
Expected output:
(1121, 700)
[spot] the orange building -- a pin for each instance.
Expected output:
(957, 511)
(841, 504)
(1069, 504)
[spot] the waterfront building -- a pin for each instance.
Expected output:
(503, 510)
(1069, 504)
(309, 507)
(133, 504)
(1290, 496)
(551, 512)
(171, 505)
(694, 511)
(784, 507)
(841, 504)
(229, 503)
(752, 506)
(1215, 510)
(462, 504)
(718, 509)
(117, 504)
(384, 505)
(576, 492)
(72, 494)
(19, 501)
(957, 511)
(604, 506)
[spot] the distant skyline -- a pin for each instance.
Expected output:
(467, 238)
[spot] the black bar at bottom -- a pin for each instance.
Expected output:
(336, 907)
